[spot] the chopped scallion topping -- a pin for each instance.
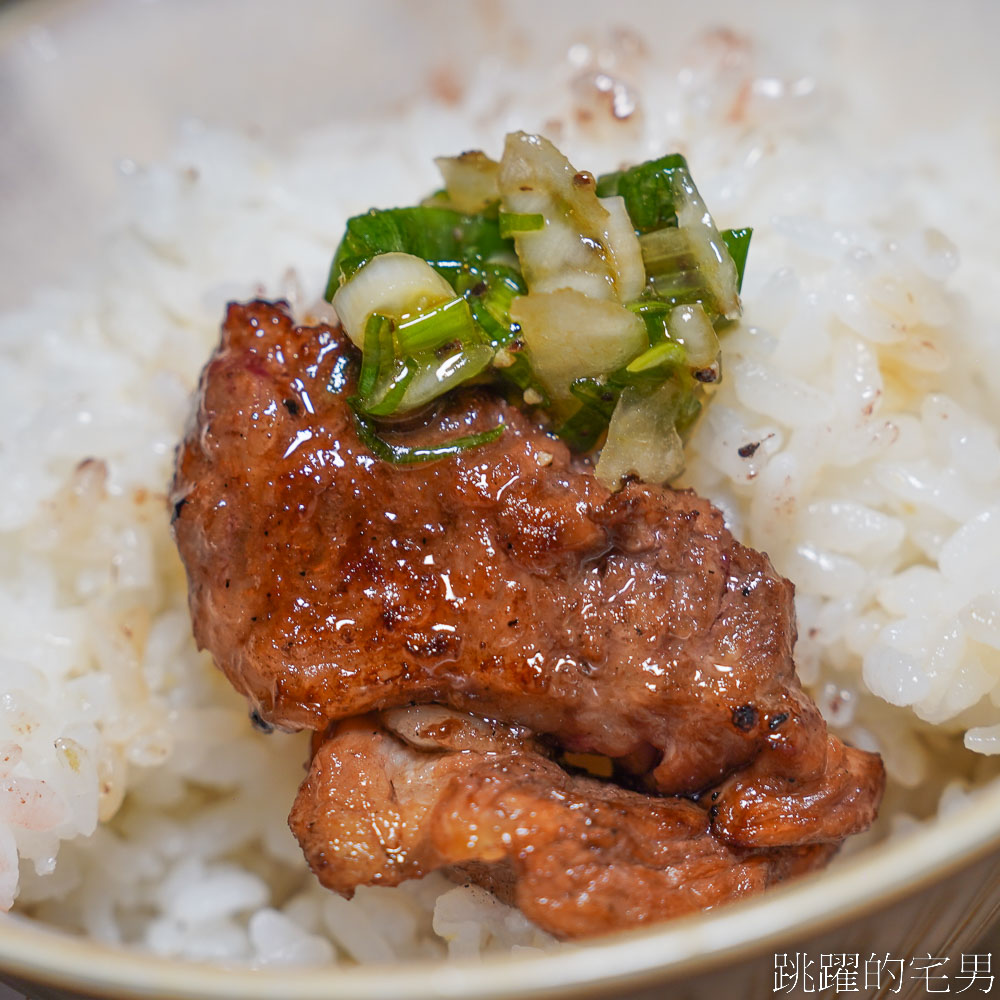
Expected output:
(638, 241)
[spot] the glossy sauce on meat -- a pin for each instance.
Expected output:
(504, 581)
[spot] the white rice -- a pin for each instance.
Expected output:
(138, 806)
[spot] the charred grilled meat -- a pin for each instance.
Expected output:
(506, 582)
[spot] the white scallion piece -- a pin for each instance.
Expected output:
(621, 241)
(690, 326)
(586, 244)
(570, 336)
(709, 249)
(398, 285)
(642, 439)
(470, 179)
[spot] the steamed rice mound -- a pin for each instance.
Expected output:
(853, 439)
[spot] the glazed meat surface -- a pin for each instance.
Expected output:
(397, 795)
(503, 581)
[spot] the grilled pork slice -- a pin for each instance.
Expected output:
(396, 795)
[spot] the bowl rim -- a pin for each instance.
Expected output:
(870, 880)
(874, 878)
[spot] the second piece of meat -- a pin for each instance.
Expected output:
(400, 794)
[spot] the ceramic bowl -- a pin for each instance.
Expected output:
(932, 892)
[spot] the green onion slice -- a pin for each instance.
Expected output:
(428, 331)
(435, 372)
(372, 353)
(434, 234)
(658, 356)
(642, 438)
(520, 222)
(584, 428)
(489, 289)
(650, 191)
(686, 258)
(659, 365)
(738, 244)
(398, 454)
(407, 365)
(384, 377)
